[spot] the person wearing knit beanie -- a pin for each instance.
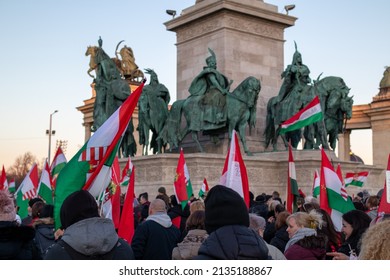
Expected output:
(224, 206)
(16, 241)
(227, 223)
(78, 206)
(87, 236)
(7, 207)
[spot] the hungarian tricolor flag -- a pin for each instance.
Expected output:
(12, 186)
(384, 205)
(356, 179)
(292, 185)
(234, 173)
(343, 191)
(311, 113)
(45, 190)
(126, 224)
(110, 206)
(27, 190)
(58, 163)
(316, 184)
(204, 188)
(331, 199)
(90, 168)
(3, 180)
(182, 183)
(126, 172)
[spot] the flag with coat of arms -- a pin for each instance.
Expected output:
(182, 183)
(90, 168)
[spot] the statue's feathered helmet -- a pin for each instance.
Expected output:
(212, 57)
(296, 54)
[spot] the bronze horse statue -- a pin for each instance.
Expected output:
(240, 110)
(336, 107)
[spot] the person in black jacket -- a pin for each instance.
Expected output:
(155, 238)
(44, 229)
(16, 242)
(227, 223)
(87, 236)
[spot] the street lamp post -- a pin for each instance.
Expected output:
(50, 133)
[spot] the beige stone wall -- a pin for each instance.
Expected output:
(266, 171)
(248, 39)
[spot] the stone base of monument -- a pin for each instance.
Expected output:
(267, 171)
(219, 144)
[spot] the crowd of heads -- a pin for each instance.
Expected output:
(307, 233)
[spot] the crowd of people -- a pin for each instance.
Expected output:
(219, 225)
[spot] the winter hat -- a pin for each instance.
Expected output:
(32, 201)
(7, 207)
(224, 206)
(78, 206)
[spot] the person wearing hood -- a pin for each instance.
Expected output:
(305, 242)
(227, 223)
(155, 238)
(87, 236)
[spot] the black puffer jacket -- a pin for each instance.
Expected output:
(44, 234)
(16, 242)
(280, 239)
(233, 242)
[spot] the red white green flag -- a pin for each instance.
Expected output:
(292, 185)
(27, 190)
(356, 179)
(126, 172)
(12, 186)
(182, 183)
(384, 204)
(316, 184)
(343, 191)
(126, 224)
(90, 168)
(110, 207)
(204, 188)
(57, 164)
(45, 190)
(3, 180)
(310, 114)
(234, 173)
(331, 199)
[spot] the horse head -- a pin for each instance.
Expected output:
(249, 89)
(346, 106)
(91, 50)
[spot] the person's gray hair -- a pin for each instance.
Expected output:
(256, 222)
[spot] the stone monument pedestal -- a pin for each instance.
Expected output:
(267, 171)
